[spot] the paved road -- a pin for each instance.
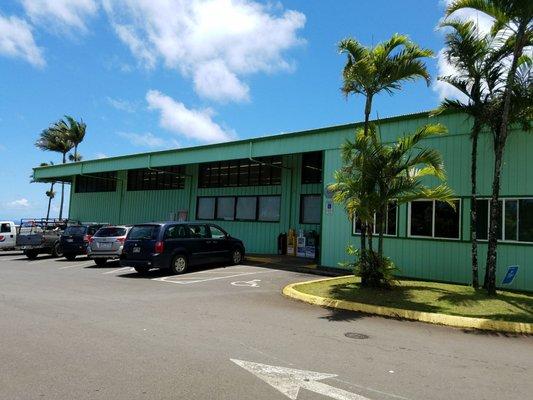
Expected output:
(69, 330)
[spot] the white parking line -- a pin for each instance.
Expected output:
(118, 270)
(186, 282)
(84, 264)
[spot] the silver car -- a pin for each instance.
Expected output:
(107, 244)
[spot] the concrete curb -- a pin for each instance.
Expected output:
(432, 318)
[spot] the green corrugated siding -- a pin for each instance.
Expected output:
(438, 259)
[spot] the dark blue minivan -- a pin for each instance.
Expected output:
(177, 245)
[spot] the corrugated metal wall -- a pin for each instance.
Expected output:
(446, 260)
(157, 205)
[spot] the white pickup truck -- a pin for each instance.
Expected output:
(8, 235)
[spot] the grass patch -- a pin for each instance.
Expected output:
(429, 297)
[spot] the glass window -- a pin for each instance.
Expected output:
(110, 232)
(435, 219)
(246, 208)
(446, 220)
(525, 226)
(311, 209)
(312, 167)
(269, 208)
(217, 233)
(75, 230)
(511, 219)
(199, 231)
(177, 232)
(5, 228)
(144, 232)
(421, 218)
(482, 223)
(160, 178)
(206, 208)
(226, 208)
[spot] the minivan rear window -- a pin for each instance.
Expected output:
(110, 232)
(75, 230)
(144, 232)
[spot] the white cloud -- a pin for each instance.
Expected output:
(444, 68)
(122, 105)
(56, 14)
(214, 42)
(100, 156)
(193, 124)
(16, 41)
(146, 140)
(18, 204)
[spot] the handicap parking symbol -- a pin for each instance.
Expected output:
(252, 283)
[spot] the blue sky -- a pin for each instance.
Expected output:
(150, 75)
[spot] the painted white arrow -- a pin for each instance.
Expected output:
(289, 381)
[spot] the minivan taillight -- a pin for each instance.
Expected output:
(159, 247)
(121, 239)
(88, 238)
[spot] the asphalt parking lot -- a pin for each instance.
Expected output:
(71, 330)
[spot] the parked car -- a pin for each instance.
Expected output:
(75, 239)
(107, 244)
(8, 235)
(175, 246)
(37, 236)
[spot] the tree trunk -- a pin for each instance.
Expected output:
(380, 222)
(368, 109)
(499, 143)
(50, 201)
(495, 220)
(473, 207)
(75, 153)
(62, 192)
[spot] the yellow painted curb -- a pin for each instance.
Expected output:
(433, 318)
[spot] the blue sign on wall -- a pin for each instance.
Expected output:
(509, 276)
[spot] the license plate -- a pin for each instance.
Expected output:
(136, 249)
(70, 240)
(104, 246)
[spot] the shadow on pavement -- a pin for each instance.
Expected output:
(336, 315)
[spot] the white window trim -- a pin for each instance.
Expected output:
(459, 209)
(502, 221)
(374, 231)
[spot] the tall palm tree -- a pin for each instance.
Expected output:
(381, 68)
(55, 138)
(513, 22)
(76, 133)
(472, 55)
(49, 193)
(396, 172)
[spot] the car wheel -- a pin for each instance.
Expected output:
(70, 257)
(236, 256)
(101, 262)
(179, 264)
(31, 254)
(57, 251)
(142, 270)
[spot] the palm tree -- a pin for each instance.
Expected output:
(395, 173)
(381, 68)
(55, 138)
(472, 55)
(76, 133)
(49, 193)
(513, 22)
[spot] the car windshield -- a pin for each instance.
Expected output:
(110, 232)
(143, 232)
(75, 230)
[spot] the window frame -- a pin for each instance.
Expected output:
(170, 177)
(110, 178)
(235, 219)
(460, 222)
(502, 219)
(305, 180)
(302, 197)
(375, 232)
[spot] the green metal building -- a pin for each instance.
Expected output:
(258, 188)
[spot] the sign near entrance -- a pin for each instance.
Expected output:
(510, 275)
